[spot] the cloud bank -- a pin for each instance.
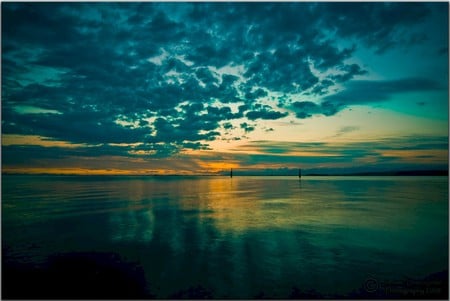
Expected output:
(165, 77)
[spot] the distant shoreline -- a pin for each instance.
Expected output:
(391, 173)
(249, 174)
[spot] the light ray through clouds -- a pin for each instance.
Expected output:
(163, 88)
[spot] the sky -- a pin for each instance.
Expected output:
(199, 88)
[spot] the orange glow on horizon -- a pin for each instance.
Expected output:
(10, 139)
(85, 171)
(433, 155)
(216, 167)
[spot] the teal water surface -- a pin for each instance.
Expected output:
(240, 237)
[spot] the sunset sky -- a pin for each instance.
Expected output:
(192, 88)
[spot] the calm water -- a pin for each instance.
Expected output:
(245, 237)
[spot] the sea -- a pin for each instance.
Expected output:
(216, 237)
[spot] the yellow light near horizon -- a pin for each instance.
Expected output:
(83, 171)
(432, 155)
(214, 167)
(11, 139)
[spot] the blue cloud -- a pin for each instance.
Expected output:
(272, 115)
(351, 153)
(363, 92)
(246, 127)
(164, 66)
(380, 26)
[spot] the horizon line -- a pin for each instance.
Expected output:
(245, 172)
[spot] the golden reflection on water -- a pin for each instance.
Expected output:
(239, 205)
(243, 204)
(241, 234)
(236, 205)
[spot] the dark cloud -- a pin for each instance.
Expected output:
(206, 76)
(284, 70)
(381, 26)
(349, 71)
(305, 109)
(327, 55)
(354, 153)
(29, 155)
(263, 114)
(280, 154)
(228, 126)
(246, 127)
(285, 160)
(154, 72)
(362, 92)
(78, 127)
(322, 87)
(415, 143)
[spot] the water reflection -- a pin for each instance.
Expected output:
(242, 237)
(132, 225)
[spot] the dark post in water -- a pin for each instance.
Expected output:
(231, 173)
(299, 173)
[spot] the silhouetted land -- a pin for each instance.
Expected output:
(390, 173)
(73, 275)
(247, 172)
(244, 172)
(100, 275)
